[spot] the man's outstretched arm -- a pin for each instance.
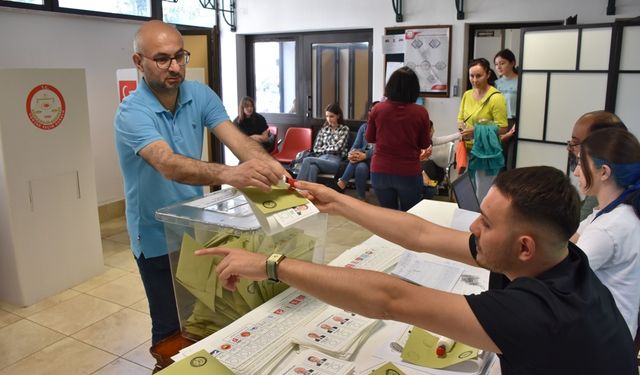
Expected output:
(369, 293)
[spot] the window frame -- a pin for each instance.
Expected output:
(304, 41)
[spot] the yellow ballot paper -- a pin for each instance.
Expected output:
(200, 363)
(197, 274)
(388, 369)
(420, 350)
(278, 199)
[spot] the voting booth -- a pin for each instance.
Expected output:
(49, 227)
(225, 219)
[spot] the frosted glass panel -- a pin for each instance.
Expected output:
(533, 93)
(594, 49)
(570, 96)
(550, 50)
(534, 153)
(627, 107)
(630, 57)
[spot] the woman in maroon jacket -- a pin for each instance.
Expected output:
(400, 129)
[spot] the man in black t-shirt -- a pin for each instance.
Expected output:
(555, 317)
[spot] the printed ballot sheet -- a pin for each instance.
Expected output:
(261, 343)
(335, 331)
(414, 268)
(313, 362)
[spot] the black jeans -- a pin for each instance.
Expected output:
(156, 277)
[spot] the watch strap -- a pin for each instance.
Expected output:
(272, 266)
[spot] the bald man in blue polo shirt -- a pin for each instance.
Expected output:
(159, 134)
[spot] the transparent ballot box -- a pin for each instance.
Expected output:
(225, 219)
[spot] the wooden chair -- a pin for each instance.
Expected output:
(295, 140)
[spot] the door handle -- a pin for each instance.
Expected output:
(309, 106)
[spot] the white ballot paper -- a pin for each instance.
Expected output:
(256, 347)
(414, 268)
(313, 362)
(336, 332)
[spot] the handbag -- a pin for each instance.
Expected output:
(296, 164)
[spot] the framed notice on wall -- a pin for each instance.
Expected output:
(426, 50)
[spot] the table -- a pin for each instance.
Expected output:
(442, 213)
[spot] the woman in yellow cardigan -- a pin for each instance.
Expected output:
(482, 104)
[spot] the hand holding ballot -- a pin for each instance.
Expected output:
(261, 174)
(237, 263)
(280, 207)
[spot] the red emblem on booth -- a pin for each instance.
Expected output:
(45, 107)
(126, 87)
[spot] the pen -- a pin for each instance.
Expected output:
(444, 346)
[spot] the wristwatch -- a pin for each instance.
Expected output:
(272, 266)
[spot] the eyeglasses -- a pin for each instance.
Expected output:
(164, 62)
(572, 144)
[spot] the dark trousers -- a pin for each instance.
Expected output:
(397, 192)
(156, 277)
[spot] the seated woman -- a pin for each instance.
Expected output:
(329, 148)
(359, 159)
(253, 124)
(609, 169)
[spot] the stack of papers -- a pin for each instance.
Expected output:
(280, 208)
(370, 255)
(258, 347)
(313, 362)
(216, 307)
(336, 332)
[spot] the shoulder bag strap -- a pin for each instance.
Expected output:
(481, 106)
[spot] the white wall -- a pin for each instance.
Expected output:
(32, 39)
(275, 16)
(100, 46)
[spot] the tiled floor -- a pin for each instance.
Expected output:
(102, 326)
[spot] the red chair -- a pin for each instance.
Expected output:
(295, 140)
(274, 130)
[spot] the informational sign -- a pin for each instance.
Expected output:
(426, 51)
(393, 44)
(45, 106)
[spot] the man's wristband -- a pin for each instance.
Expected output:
(272, 266)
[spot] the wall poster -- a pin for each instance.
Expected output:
(427, 51)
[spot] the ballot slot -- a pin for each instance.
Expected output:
(236, 205)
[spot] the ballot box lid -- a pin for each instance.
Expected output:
(223, 208)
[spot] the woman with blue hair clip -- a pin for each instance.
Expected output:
(609, 169)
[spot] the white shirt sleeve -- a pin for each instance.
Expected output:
(444, 139)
